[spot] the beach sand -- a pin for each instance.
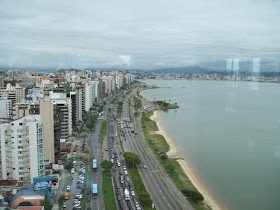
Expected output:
(189, 171)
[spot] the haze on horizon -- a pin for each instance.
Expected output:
(137, 34)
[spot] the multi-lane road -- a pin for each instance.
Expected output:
(163, 192)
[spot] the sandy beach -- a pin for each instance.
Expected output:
(208, 198)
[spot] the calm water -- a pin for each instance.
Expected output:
(230, 132)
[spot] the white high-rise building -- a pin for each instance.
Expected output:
(91, 94)
(6, 108)
(119, 81)
(22, 149)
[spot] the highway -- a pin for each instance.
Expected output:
(157, 182)
(95, 177)
(115, 154)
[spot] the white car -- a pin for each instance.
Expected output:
(127, 179)
(125, 173)
(119, 165)
(124, 167)
(64, 205)
(132, 193)
(68, 188)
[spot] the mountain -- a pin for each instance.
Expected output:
(183, 70)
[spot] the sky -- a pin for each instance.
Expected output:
(132, 34)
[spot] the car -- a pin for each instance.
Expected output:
(112, 156)
(145, 166)
(120, 172)
(119, 165)
(132, 193)
(68, 188)
(119, 197)
(64, 205)
(88, 198)
(122, 161)
(127, 179)
(137, 204)
(118, 192)
(112, 160)
(124, 167)
(106, 149)
(125, 173)
(118, 186)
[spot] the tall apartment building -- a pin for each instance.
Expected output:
(119, 81)
(80, 97)
(8, 93)
(16, 94)
(23, 109)
(1, 82)
(91, 94)
(6, 108)
(73, 97)
(64, 104)
(51, 119)
(22, 149)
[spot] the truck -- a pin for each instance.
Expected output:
(126, 194)
(66, 196)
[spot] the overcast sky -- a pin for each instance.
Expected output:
(154, 33)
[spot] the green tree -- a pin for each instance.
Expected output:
(69, 166)
(47, 204)
(194, 195)
(107, 165)
(163, 156)
(132, 159)
(61, 200)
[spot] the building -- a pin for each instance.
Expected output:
(51, 119)
(6, 108)
(23, 109)
(22, 149)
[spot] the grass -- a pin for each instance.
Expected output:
(103, 131)
(159, 146)
(140, 188)
(84, 159)
(137, 103)
(108, 192)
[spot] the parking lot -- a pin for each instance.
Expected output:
(75, 186)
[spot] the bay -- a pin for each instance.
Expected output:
(230, 133)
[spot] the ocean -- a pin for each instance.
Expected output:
(230, 133)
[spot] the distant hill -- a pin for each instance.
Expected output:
(183, 70)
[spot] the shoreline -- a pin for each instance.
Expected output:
(209, 199)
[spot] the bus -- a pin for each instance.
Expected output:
(94, 191)
(94, 165)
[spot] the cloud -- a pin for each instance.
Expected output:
(153, 32)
